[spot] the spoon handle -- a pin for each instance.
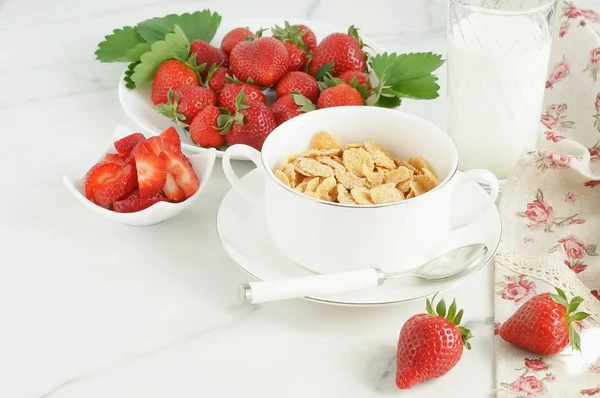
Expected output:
(314, 285)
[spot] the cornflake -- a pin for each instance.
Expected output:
(358, 174)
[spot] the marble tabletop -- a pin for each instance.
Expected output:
(92, 308)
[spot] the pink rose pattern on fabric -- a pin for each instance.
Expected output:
(528, 239)
(552, 136)
(531, 383)
(576, 251)
(576, 16)
(590, 391)
(592, 184)
(549, 160)
(570, 197)
(594, 368)
(536, 364)
(540, 215)
(555, 119)
(595, 152)
(516, 289)
(596, 116)
(595, 293)
(593, 66)
(560, 71)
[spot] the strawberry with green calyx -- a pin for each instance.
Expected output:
(231, 90)
(185, 102)
(251, 123)
(342, 50)
(301, 35)
(299, 82)
(290, 106)
(544, 324)
(404, 76)
(292, 38)
(361, 79)
(204, 130)
(208, 55)
(216, 78)
(172, 74)
(431, 344)
(363, 89)
(264, 60)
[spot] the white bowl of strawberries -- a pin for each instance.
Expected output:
(233, 82)
(143, 180)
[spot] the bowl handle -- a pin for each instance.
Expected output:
(482, 177)
(243, 151)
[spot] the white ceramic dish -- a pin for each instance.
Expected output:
(138, 106)
(202, 164)
(243, 233)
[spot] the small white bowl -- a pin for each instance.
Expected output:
(202, 164)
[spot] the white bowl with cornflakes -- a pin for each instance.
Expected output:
(380, 210)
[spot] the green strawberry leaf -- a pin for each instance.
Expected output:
(429, 307)
(574, 338)
(421, 88)
(201, 25)
(441, 308)
(560, 298)
(580, 316)
(128, 82)
(305, 105)
(451, 311)
(323, 70)
(174, 46)
(466, 335)
(388, 101)
(413, 66)
(458, 318)
(574, 304)
(123, 45)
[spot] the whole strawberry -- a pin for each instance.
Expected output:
(251, 123)
(430, 345)
(297, 57)
(170, 75)
(217, 79)
(230, 91)
(340, 95)
(234, 37)
(207, 54)
(289, 106)
(298, 82)
(308, 37)
(544, 324)
(341, 49)
(204, 130)
(292, 37)
(264, 61)
(357, 77)
(185, 102)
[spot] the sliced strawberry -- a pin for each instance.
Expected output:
(151, 174)
(155, 145)
(126, 144)
(97, 175)
(114, 158)
(135, 204)
(179, 166)
(172, 135)
(172, 190)
(140, 147)
(115, 187)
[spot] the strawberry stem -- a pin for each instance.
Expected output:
(451, 316)
(572, 316)
(170, 109)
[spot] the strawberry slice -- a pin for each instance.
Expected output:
(115, 158)
(140, 147)
(172, 135)
(155, 145)
(151, 174)
(172, 190)
(126, 144)
(116, 186)
(135, 204)
(97, 175)
(179, 166)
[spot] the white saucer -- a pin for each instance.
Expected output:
(243, 234)
(138, 106)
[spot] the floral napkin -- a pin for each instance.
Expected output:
(551, 218)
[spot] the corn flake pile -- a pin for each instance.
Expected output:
(362, 174)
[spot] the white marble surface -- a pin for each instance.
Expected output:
(90, 308)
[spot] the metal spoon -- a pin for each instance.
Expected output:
(445, 266)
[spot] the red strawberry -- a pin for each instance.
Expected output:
(204, 130)
(264, 60)
(170, 75)
(185, 102)
(180, 169)
(544, 324)
(114, 158)
(172, 135)
(218, 79)
(289, 106)
(207, 54)
(126, 144)
(136, 204)
(250, 125)
(340, 95)
(172, 190)
(151, 174)
(430, 345)
(344, 50)
(361, 78)
(296, 56)
(308, 37)
(298, 82)
(108, 184)
(230, 92)
(140, 147)
(155, 145)
(235, 36)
